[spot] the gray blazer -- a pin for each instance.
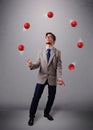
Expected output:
(51, 71)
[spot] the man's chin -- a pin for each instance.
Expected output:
(49, 43)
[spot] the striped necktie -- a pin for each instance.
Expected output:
(48, 54)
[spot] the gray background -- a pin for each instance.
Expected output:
(17, 82)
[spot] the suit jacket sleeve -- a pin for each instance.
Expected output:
(59, 66)
(36, 64)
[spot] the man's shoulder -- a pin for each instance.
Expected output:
(41, 50)
(57, 50)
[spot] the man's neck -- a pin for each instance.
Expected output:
(49, 46)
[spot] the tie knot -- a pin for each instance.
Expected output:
(48, 50)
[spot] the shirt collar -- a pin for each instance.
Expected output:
(49, 48)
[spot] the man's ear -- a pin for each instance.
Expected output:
(53, 42)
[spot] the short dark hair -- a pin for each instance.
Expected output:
(54, 37)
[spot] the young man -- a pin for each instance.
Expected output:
(50, 73)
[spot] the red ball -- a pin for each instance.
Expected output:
(71, 67)
(80, 44)
(73, 23)
(50, 14)
(27, 25)
(21, 47)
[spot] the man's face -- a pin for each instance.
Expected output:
(49, 39)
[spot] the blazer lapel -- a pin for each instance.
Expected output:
(44, 55)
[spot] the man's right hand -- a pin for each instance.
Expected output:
(29, 63)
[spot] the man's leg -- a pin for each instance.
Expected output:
(37, 94)
(51, 97)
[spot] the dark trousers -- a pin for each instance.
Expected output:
(37, 95)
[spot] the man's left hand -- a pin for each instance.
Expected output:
(61, 82)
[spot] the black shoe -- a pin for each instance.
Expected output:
(31, 121)
(49, 117)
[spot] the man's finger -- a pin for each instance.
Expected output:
(64, 84)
